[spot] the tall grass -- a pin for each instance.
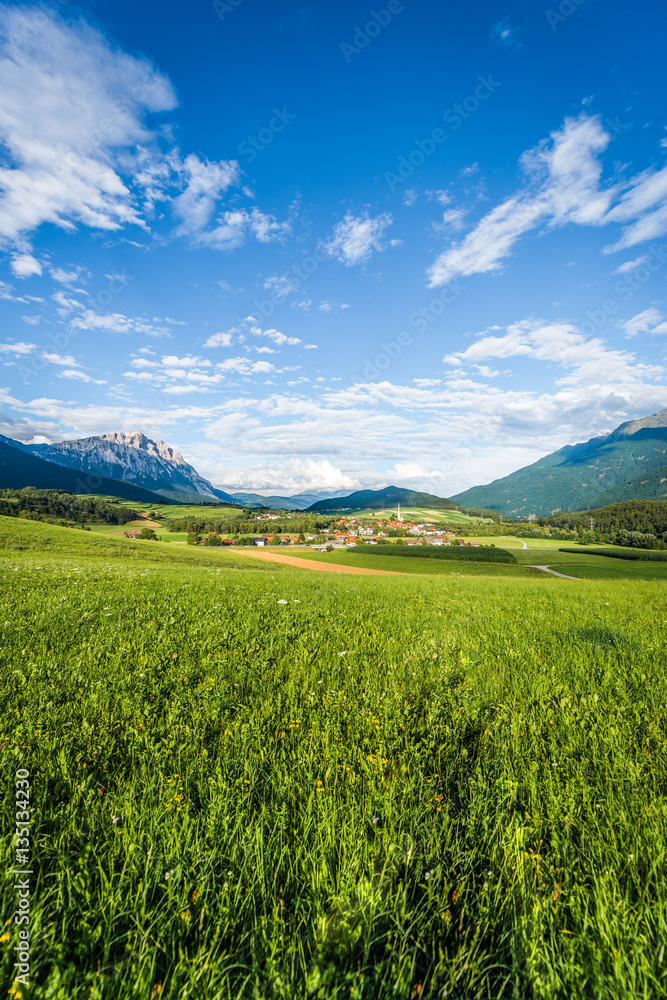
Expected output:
(332, 787)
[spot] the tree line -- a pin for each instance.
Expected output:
(54, 505)
(250, 526)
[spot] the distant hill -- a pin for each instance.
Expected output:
(19, 469)
(579, 476)
(647, 486)
(298, 502)
(134, 458)
(390, 496)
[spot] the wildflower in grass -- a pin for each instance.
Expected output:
(167, 876)
(631, 857)
(281, 602)
(375, 819)
(344, 653)
(296, 602)
(114, 819)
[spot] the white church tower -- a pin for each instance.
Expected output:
(399, 518)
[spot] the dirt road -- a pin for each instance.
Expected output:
(319, 567)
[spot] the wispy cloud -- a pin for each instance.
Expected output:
(563, 186)
(505, 35)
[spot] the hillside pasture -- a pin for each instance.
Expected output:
(251, 781)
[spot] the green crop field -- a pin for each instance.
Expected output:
(414, 514)
(179, 510)
(254, 781)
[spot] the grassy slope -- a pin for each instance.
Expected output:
(471, 799)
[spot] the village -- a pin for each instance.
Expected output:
(342, 533)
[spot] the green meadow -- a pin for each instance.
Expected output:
(255, 781)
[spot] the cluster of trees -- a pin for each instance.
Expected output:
(217, 539)
(636, 523)
(250, 525)
(56, 505)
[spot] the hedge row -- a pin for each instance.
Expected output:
(643, 555)
(482, 553)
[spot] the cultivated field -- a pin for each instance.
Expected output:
(413, 514)
(252, 781)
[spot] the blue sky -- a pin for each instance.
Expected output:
(332, 245)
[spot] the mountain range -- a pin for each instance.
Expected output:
(581, 476)
(133, 458)
(131, 466)
(627, 464)
(19, 469)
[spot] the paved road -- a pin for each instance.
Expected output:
(553, 572)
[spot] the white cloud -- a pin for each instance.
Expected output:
(630, 265)
(646, 198)
(329, 307)
(59, 359)
(71, 103)
(410, 197)
(117, 323)
(588, 361)
(204, 183)
(80, 376)
(172, 361)
(276, 336)
(18, 348)
(244, 366)
(232, 228)
(66, 277)
(144, 363)
(648, 321)
(32, 320)
(23, 265)
(356, 237)
(288, 477)
(563, 186)
(281, 285)
(82, 148)
(442, 197)
(219, 340)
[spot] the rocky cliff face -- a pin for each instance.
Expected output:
(133, 458)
